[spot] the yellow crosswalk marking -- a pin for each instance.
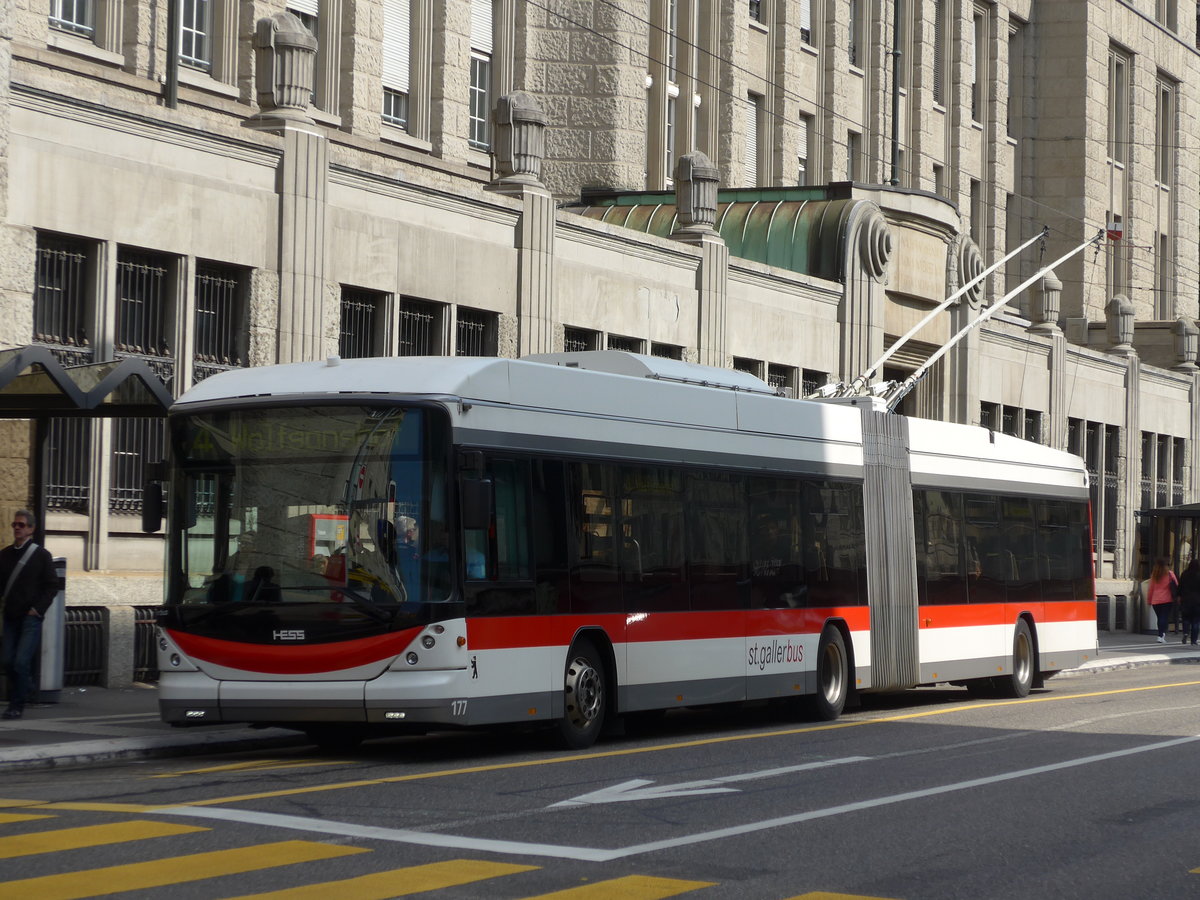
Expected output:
(8, 818)
(172, 870)
(398, 882)
(100, 807)
(230, 767)
(88, 836)
(9, 804)
(826, 895)
(631, 887)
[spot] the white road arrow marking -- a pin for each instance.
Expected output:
(637, 789)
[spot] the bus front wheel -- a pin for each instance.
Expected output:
(833, 676)
(585, 697)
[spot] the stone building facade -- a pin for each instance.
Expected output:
(439, 176)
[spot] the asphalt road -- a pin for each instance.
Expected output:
(1086, 789)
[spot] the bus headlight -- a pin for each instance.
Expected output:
(428, 641)
(411, 659)
(175, 660)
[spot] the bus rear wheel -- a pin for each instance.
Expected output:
(833, 676)
(585, 697)
(1018, 683)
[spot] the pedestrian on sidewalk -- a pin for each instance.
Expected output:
(1161, 592)
(1189, 601)
(29, 584)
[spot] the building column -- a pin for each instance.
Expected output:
(867, 242)
(284, 58)
(520, 149)
(696, 202)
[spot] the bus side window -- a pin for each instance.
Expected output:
(502, 551)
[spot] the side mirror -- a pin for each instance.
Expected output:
(476, 503)
(152, 507)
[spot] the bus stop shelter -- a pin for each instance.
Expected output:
(36, 386)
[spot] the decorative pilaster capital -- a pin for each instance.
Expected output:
(285, 54)
(695, 194)
(520, 145)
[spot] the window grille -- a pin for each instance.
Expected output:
(812, 380)
(218, 315)
(782, 379)
(577, 340)
(136, 442)
(628, 344)
(1008, 423)
(1033, 426)
(474, 335)
(666, 351)
(60, 293)
(1112, 446)
(72, 15)
(68, 449)
(1178, 461)
(356, 332)
(989, 416)
(419, 331)
(142, 304)
(741, 364)
(1147, 479)
(194, 34)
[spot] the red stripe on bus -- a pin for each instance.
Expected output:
(558, 631)
(295, 659)
(962, 616)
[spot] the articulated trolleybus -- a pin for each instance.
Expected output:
(374, 546)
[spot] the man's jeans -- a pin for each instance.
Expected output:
(20, 645)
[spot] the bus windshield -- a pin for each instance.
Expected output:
(308, 524)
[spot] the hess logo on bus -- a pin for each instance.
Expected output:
(289, 635)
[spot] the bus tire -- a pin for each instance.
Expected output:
(585, 697)
(833, 676)
(335, 738)
(1018, 683)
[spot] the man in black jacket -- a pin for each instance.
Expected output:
(29, 583)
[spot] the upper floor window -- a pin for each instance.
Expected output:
(756, 10)
(1167, 13)
(1118, 107)
(939, 52)
(754, 122)
(220, 319)
(856, 47)
(1164, 169)
(475, 332)
(804, 151)
(978, 56)
(806, 21)
(479, 135)
(76, 16)
(143, 303)
(397, 42)
(194, 34)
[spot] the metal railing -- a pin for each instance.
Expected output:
(86, 643)
(145, 653)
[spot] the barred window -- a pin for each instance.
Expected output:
(420, 328)
(60, 292)
(219, 315)
(135, 442)
(811, 380)
(782, 379)
(475, 333)
(69, 447)
(577, 340)
(666, 351)
(628, 344)
(357, 332)
(750, 366)
(142, 321)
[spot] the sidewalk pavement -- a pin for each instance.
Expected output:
(91, 724)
